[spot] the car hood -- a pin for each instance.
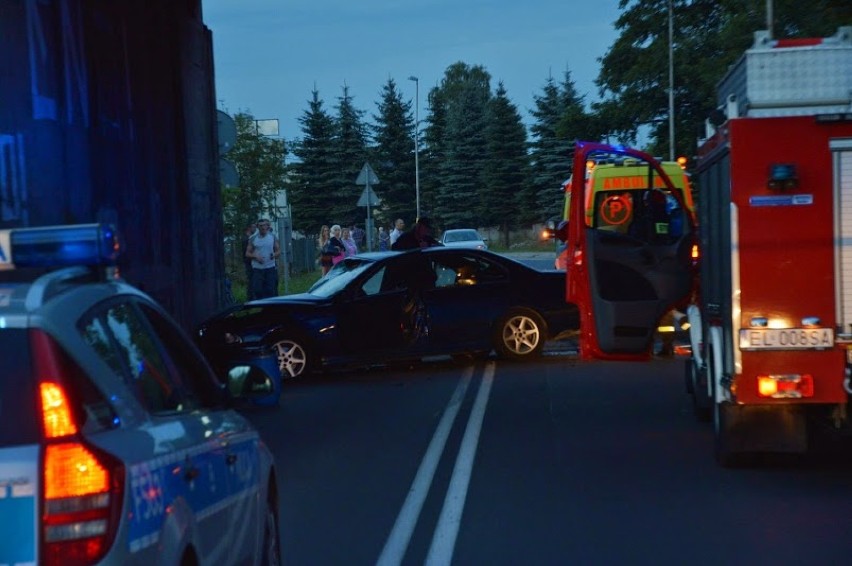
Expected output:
(297, 299)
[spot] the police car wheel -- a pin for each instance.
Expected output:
(521, 334)
(293, 360)
(271, 539)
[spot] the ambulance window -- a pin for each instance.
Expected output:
(613, 211)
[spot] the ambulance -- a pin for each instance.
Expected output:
(631, 250)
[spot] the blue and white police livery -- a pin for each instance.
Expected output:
(118, 446)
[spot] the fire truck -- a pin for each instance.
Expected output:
(771, 323)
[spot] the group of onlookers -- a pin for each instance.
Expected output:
(261, 249)
(336, 243)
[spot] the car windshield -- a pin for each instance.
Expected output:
(339, 277)
(461, 236)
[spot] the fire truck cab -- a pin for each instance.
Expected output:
(771, 326)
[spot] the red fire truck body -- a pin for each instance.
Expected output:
(771, 328)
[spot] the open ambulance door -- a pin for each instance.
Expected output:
(630, 253)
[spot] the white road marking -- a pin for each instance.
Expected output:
(444, 539)
(400, 535)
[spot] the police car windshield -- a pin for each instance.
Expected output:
(17, 393)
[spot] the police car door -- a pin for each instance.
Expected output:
(631, 262)
(178, 459)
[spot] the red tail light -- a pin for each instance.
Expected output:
(788, 386)
(82, 486)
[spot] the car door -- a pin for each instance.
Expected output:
(468, 294)
(233, 453)
(178, 468)
(630, 261)
(371, 310)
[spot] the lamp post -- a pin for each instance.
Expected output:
(416, 141)
(671, 84)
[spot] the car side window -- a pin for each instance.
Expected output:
(123, 339)
(192, 368)
(464, 271)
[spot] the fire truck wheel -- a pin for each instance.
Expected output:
(725, 456)
(520, 335)
(701, 402)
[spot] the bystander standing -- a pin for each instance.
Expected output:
(263, 250)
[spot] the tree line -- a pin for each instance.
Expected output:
(480, 165)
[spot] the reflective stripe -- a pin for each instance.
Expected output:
(19, 491)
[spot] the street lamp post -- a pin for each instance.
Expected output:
(416, 141)
(671, 84)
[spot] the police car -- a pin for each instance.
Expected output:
(117, 444)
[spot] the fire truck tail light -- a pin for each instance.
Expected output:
(788, 386)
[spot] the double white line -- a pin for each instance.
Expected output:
(444, 538)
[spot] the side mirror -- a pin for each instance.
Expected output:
(252, 375)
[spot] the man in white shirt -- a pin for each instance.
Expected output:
(263, 250)
(397, 231)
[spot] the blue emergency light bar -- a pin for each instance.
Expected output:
(60, 246)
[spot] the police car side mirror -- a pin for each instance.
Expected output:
(255, 379)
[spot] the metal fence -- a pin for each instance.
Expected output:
(304, 254)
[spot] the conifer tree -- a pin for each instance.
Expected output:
(466, 91)
(507, 168)
(549, 156)
(432, 151)
(350, 149)
(312, 184)
(393, 135)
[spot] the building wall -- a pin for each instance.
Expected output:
(107, 113)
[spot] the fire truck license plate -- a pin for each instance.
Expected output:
(786, 338)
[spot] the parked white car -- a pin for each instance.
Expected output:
(464, 238)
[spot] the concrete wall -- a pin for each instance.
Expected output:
(107, 113)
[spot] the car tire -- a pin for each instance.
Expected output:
(271, 537)
(294, 359)
(520, 335)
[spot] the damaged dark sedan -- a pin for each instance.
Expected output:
(382, 307)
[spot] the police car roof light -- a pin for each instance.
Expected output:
(58, 246)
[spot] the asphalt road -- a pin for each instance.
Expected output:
(551, 462)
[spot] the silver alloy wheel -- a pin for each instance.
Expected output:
(521, 335)
(292, 358)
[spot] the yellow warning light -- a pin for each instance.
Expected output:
(682, 161)
(590, 164)
(766, 386)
